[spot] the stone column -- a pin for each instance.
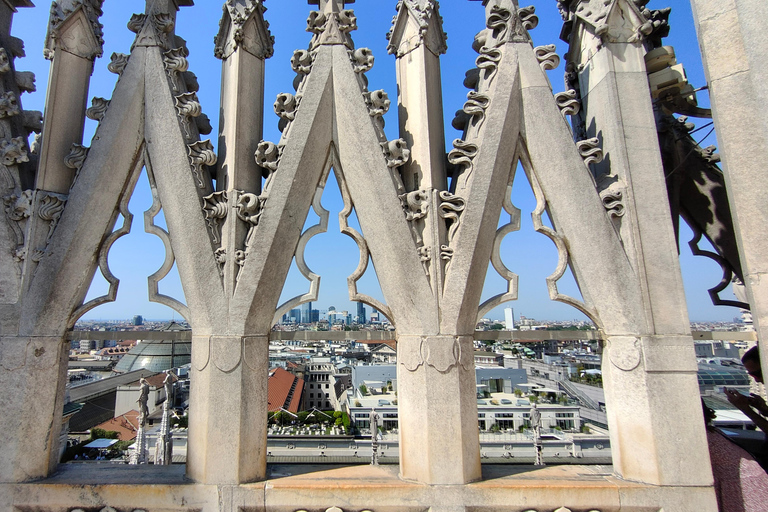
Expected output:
(74, 41)
(33, 371)
(439, 442)
(228, 413)
(735, 54)
(651, 387)
(243, 44)
(417, 40)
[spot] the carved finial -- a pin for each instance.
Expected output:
(427, 29)
(331, 23)
(243, 26)
(64, 32)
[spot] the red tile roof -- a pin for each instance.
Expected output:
(125, 425)
(279, 392)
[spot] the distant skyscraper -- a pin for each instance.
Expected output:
(361, 313)
(306, 313)
(295, 315)
(509, 318)
(315, 316)
(138, 320)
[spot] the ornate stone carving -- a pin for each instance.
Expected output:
(188, 108)
(5, 62)
(461, 156)
(378, 102)
(136, 23)
(88, 47)
(32, 120)
(301, 62)
(267, 155)
(243, 26)
(216, 208)
(18, 208)
(75, 159)
(547, 56)
(475, 107)
(163, 22)
(415, 204)
(9, 106)
(402, 40)
(25, 81)
(50, 207)
(331, 28)
(396, 152)
(285, 107)
(504, 26)
(625, 352)
(98, 108)
(443, 353)
(13, 151)
(450, 209)
(249, 208)
(175, 63)
(612, 194)
(488, 64)
(201, 153)
(568, 102)
(528, 17)
(362, 60)
(590, 151)
(118, 63)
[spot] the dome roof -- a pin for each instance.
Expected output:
(156, 356)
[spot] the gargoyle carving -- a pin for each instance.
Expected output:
(415, 204)
(378, 102)
(362, 59)
(285, 107)
(267, 155)
(301, 62)
(396, 152)
(9, 106)
(25, 81)
(13, 151)
(5, 62)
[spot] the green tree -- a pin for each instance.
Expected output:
(100, 433)
(363, 389)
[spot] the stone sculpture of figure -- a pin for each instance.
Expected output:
(536, 425)
(168, 385)
(142, 401)
(374, 418)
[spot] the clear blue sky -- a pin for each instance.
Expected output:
(332, 255)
